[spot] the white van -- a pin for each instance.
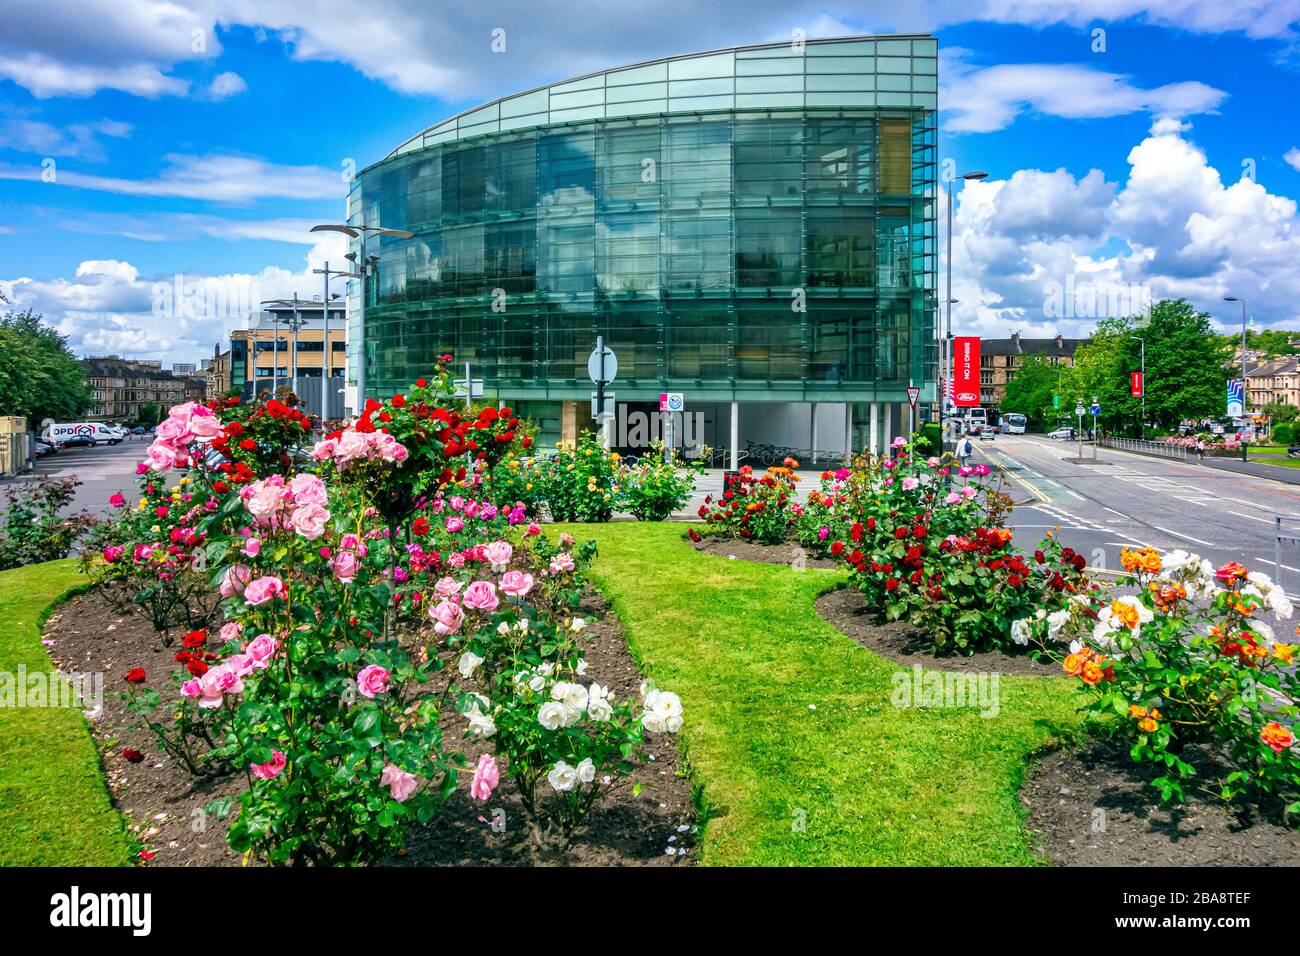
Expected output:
(82, 432)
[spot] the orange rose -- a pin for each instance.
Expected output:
(1277, 737)
(1125, 613)
(1092, 673)
(1147, 725)
(1135, 711)
(1073, 664)
(1284, 652)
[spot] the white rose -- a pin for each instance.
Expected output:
(598, 705)
(573, 696)
(562, 777)
(663, 712)
(468, 664)
(1057, 620)
(577, 624)
(582, 666)
(481, 725)
(552, 715)
(586, 770)
(1020, 631)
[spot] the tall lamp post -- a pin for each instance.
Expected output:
(325, 362)
(293, 324)
(948, 299)
(360, 233)
(1244, 390)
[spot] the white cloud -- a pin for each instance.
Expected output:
(1172, 229)
(108, 306)
(213, 178)
(982, 100)
(1292, 158)
(418, 47)
(224, 86)
(78, 141)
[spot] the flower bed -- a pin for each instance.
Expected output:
(165, 805)
(351, 572)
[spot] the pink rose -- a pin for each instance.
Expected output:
(241, 665)
(482, 596)
(203, 424)
(263, 589)
(309, 521)
(308, 490)
(272, 768)
(399, 783)
(561, 563)
(118, 500)
(252, 548)
(499, 553)
(192, 687)
(112, 553)
(161, 457)
(910, 483)
(235, 579)
(446, 587)
(260, 650)
(454, 524)
(447, 616)
(486, 777)
(231, 630)
(372, 680)
(516, 583)
(345, 565)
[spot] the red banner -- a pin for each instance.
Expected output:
(1135, 384)
(966, 371)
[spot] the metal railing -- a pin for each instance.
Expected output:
(1141, 446)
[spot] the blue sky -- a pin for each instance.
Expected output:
(204, 137)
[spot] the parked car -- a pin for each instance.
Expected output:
(78, 441)
(41, 449)
(138, 430)
(1066, 434)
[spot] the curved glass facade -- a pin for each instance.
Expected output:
(758, 225)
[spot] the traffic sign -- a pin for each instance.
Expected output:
(1056, 401)
(594, 365)
(1094, 410)
(913, 393)
(475, 388)
(671, 401)
(609, 404)
(1079, 410)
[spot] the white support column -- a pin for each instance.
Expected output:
(849, 450)
(875, 428)
(889, 427)
(735, 436)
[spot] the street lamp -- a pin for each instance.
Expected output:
(948, 337)
(363, 268)
(294, 325)
(325, 361)
(1244, 390)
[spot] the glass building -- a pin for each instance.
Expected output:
(753, 227)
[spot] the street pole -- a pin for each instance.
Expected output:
(946, 359)
(1142, 427)
(293, 358)
(325, 349)
(275, 357)
(469, 388)
(1245, 392)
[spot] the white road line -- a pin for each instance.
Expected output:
(1251, 517)
(1185, 537)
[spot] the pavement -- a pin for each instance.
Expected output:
(103, 470)
(1221, 513)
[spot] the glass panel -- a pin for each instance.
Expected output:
(784, 65)
(588, 83)
(848, 64)
(775, 100)
(769, 84)
(640, 91)
(535, 102)
(639, 74)
(694, 68)
(850, 48)
(700, 87)
(564, 101)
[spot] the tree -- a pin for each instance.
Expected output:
(1030, 391)
(1186, 366)
(39, 376)
(1281, 412)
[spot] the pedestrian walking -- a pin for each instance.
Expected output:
(1200, 449)
(964, 450)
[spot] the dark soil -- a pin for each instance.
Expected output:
(164, 804)
(1096, 807)
(741, 550)
(847, 609)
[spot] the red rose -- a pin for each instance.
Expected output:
(1079, 562)
(891, 584)
(131, 755)
(421, 383)
(197, 668)
(837, 548)
(693, 535)
(248, 444)
(871, 524)
(1040, 557)
(918, 531)
(900, 532)
(135, 675)
(420, 526)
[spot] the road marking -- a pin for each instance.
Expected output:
(1185, 537)
(1251, 517)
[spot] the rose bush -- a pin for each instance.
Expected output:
(653, 488)
(580, 482)
(762, 508)
(1188, 657)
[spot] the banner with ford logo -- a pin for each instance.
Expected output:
(966, 371)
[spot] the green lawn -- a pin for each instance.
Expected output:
(54, 807)
(743, 646)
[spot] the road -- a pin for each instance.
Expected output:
(1129, 500)
(103, 471)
